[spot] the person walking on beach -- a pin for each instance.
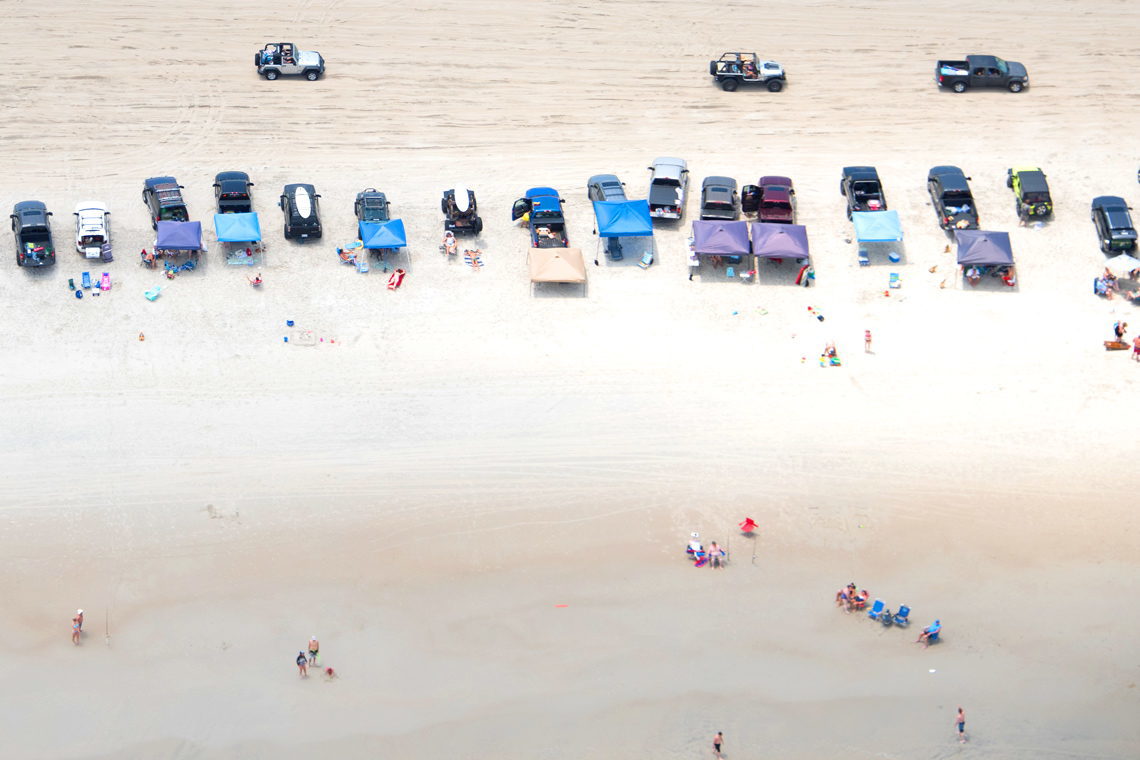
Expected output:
(79, 617)
(960, 721)
(866, 341)
(76, 628)
(302, 665)
(718, 741)
(314, 650)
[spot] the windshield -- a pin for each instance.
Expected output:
(667, 182)
(173, 215)
(1003, 67)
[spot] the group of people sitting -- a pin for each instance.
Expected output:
(850, 599)
(1108, 285)
(715, 556)
(1007, 274)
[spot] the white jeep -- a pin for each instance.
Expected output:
(92, 228)
(284, 59)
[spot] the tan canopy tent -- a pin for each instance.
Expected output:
(557, 265)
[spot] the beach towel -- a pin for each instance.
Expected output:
(800, 275)
(475, 261)
(397, 279)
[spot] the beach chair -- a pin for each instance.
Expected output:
(151, 294)
(729, 272)
(105, 281)
(895, 282)
(71, 283)
(902, 617)
(86, 280)
(362, 265)
(864, 259)
(646, 260)
(876, 610)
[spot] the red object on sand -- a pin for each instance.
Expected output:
(748, 525)
(397, 279)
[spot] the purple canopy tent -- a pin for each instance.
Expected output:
(983, 248)
(779, 241)
(720, 238)
(178, 236)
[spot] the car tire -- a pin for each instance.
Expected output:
(1009, 181)
(775, 85)
(311, 75)
(478, 226)
(271, 74)
(958, 87)
(1016, 86)
(730, 84)
(285, 231)
(712, 68)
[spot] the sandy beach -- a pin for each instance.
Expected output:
(477, 493)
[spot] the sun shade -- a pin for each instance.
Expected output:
(237, 228)
(179, 236)
(383, 234)
(877, 226)
(720, 238)
(557, 265)
(623, 218)
(983, 247)
(779, 241)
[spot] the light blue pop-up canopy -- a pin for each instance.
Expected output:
(237, 228)
(623, 218)
(877, 226)
(388, 234)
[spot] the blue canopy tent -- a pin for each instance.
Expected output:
(779, 241)
(178, 236)
(721, 238)
(877, 226)
(388, 235)
(237, 228)
(623, 218)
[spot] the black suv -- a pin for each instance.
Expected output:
(302, 213)
(950, 192)
(231, 191)
(163, 197)
(861, 187)
(1113, 224)
(372, 206)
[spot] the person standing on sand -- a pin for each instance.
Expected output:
(79, 617)
(866, 341)
(302, 665)
(75, 630)
(718, 740)
(960, 721)
(1120, 328)
(314, 649)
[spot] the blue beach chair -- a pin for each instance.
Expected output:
(902, 617)
(876, 609)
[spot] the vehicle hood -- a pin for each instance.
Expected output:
(1016, 69)
(311, 58)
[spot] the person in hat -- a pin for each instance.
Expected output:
(79, 617)
(314, 650)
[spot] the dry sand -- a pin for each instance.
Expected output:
(470, 455)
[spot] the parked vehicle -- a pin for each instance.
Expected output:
(949, 190)
(734, 69)
(31, 224)
(301, 210)
(981, 71)
(719, 198)
(372, 206)
(772, 199)
(668, 187)
(460, 211)
(861, 187)
(231, 192)
(543, 208)
(92, 228)
(1113, 224)
(283, 59)
(605, 187)
(1032, 192)
(163, 197)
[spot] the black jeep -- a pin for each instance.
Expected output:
(1032, 191)
(861, 187)
(372, 206)
(302, 213)
(461, 214)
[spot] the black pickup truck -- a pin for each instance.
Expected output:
(163, 197)
(32, 228)
(950, 192)
(981, 71)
